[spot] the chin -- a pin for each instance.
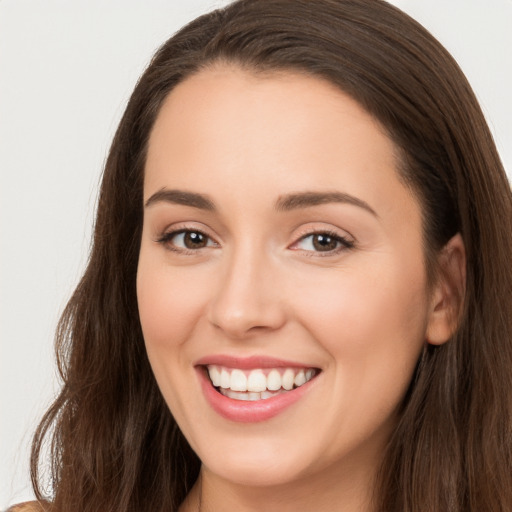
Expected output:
(255, 462)
(256, 472)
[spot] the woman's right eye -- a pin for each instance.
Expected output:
(186, 240)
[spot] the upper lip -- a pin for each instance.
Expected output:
(249, 363)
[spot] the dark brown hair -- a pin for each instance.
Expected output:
(115, 445)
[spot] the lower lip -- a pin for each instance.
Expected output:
(250, 411)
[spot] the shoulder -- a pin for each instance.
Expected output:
(28, 506)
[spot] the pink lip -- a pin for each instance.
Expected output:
(249, 411)
(248, 363)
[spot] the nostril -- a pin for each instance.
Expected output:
(245, 303)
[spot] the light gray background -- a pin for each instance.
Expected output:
(66, 71)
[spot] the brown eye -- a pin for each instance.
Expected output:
(323, 242)
(194, 240)
(186, 239)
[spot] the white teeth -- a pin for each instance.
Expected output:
(238, 381)
(249, 397)
(274, 380)
(254, 384)
(300, 378)
(257, 381)
(224, 378)
(288, 377)
(237, 395)
(215, 376)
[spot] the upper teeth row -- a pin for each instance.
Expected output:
(256, 380)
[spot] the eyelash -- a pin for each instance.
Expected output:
(344, 243)
(166, 238)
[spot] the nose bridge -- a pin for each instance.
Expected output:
(246, 297)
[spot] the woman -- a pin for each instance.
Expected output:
(299, 293)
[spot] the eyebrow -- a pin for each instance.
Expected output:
(285, 203)
(308, 199)
(182, 197)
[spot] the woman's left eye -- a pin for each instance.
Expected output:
(323, 242)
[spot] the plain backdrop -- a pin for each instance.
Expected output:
(66, 71)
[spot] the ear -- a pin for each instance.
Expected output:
(447, 297)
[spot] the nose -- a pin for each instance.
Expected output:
(247, 299)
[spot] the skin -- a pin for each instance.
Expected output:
(259, 286)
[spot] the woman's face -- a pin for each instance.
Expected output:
(279, 250)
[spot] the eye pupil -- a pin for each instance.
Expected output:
(194, 240)
(324, 242)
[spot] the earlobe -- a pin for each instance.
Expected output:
(447, 298)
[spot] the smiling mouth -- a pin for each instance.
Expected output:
(257, 384)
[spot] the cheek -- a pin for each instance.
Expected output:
(372, 324)
(170, 305)
(372, 305)
(170, 300)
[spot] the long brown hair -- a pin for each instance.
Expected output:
(115, 445)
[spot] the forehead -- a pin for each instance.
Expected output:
(269, 133)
